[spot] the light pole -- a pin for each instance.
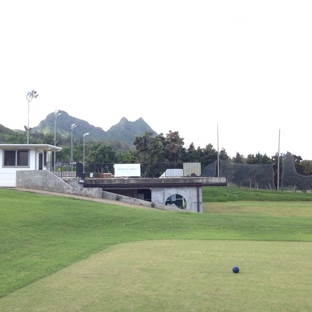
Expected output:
(29, 96)
(278, 160)
(57, 113)
(73, 126)
(84, 149)
(218, 157)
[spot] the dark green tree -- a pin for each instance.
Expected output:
(238, 159)
(208, 155)
(223, 155)
(127, 157)
(63, 155)
(150, 153)
(101, 158)
(48, 139)
(101, 153)
(191, 154)
(174, 147)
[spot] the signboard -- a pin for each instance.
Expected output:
(127, 170)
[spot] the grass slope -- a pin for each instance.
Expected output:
(225, 194)
(40, 235)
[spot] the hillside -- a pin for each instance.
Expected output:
(125, 131)
(5, 130)
(63, 126)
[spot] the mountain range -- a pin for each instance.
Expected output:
(124, 131)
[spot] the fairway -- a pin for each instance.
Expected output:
(65, 254)
(177, 275)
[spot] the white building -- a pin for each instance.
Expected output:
(14, 157)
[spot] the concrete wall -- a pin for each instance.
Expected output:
(46, 181)
(136, 201)
(192, 195)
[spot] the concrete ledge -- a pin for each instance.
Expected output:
(120, 183)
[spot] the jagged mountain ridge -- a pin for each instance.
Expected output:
(125, 131)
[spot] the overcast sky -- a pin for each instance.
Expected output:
(243, 67)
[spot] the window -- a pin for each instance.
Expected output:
(16, 158)
(9, 158)
(22, 158)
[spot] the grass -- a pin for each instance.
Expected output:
(225, 194)
(146, 255)
(177, 275)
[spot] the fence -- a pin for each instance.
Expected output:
(247, 175)
(65, 169)
(237, 175)
(291, 179)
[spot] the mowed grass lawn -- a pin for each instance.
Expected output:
(64, 254)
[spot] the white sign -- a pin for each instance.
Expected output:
(127, 170)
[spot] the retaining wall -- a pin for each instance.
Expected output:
(46, 181)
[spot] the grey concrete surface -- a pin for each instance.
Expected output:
(45, 182)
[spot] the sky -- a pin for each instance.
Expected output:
(234, 74)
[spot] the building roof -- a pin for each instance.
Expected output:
(45, 147)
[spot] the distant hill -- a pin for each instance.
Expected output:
(125, 131)
(5, 130)
(63, 127)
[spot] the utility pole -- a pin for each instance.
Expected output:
(278, 159)
(218, 160)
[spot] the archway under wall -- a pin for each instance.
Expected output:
(176, 200)
(191, 195)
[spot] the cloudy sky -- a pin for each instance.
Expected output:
(243, 67)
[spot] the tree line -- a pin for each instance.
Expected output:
(149, 150)
(155, 153)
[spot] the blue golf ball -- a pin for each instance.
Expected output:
(235, 269)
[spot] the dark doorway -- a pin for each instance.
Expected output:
(79, 170)
(145, 194)
(40, 161)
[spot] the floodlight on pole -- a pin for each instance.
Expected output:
(72, 127)
(84, 149)
(29, 96)
(57, 114)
